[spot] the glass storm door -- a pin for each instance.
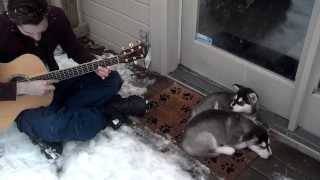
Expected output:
(257, 43)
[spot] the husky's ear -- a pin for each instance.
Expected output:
(236, 87)
(253, 98)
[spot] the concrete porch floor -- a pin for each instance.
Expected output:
(287, 163)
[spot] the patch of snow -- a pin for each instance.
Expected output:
(279, 176)
(126, 154)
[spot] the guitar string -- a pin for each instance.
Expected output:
(77, 70)
(82, 68)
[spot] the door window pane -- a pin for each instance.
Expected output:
(269, 33)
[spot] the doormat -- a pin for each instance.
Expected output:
(168, 117)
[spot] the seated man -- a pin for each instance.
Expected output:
(81, 106)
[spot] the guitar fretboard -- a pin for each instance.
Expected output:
(77, 70)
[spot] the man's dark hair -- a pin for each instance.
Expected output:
(27, 11)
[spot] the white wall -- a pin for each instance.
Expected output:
(115, 23)
(1, 6)
(4, 2)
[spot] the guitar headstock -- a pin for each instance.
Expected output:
(133, 53)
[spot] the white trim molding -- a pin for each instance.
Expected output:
(165, 21)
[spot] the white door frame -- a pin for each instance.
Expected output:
(165, 18)
(165, 25)
(303, 81)
(309, 115)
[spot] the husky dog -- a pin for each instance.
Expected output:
(213, 132)
(243, 100)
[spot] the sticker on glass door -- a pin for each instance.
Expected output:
(204, 39)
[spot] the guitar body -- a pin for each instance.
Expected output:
(25, 66)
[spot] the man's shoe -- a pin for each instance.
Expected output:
(118, 120)
(119, 109)
(52, 151)
(131, 106)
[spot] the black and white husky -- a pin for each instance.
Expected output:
(213, 132)
(243, 100)
(224, 122)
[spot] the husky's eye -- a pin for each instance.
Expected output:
(241, 103)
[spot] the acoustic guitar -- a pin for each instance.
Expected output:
(29, 68)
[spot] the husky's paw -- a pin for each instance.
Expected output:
(263, 153)
(241, 145)
(226, 150)
(216, 105)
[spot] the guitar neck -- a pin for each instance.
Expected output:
(79, 70)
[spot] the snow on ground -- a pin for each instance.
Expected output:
(125, 154)
(278, 176)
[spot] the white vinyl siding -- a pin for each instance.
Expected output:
(115, 23)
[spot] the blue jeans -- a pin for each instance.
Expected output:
(75, 112)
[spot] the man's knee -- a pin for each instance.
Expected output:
(36, 131)
(59, 127)
(52, 129)
(115, 79)
(86, 130)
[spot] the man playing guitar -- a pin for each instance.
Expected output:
(81, 106)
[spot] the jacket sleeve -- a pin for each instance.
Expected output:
(68, 40)
(8, 91)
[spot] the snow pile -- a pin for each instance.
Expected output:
(126, 154)
(119, 155)
(278, 176)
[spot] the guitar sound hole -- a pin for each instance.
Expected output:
(18, 78)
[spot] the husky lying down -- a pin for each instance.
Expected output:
(215, 132)
(228, 119)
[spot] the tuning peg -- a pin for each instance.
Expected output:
(139, 47)
(131, 45)
(124, 53)
(134, 58)
(142, 55)
(135, 62)
(126, 60)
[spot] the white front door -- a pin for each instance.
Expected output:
(250, 42)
